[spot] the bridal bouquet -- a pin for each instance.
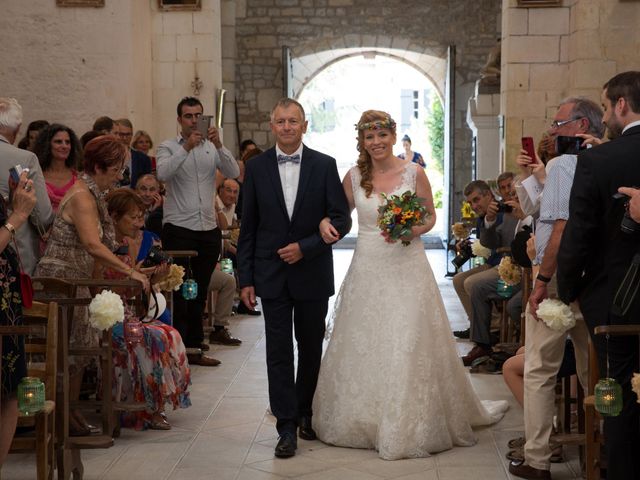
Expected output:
(399, 213)
(509, 272)
(635, 385)
(105, 310)
(556, 315)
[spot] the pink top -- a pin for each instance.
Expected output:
(57, 193)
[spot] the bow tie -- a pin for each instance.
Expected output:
(289, 158)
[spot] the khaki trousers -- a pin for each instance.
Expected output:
(225, 285)
(462, 283)
(544, 351)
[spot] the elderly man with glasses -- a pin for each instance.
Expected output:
(140, 163)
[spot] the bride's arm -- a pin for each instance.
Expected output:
(327, 231)
(423, 190)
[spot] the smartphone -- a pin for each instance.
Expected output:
(15, 172)
(204, 122)
(527, 144)
(568, 145)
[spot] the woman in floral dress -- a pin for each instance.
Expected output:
(154, 371)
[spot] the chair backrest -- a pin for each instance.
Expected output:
(41, 350)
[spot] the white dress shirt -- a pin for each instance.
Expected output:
(190, 181)
(289, 177)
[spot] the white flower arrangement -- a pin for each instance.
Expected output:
(105, 310)
(556, 314)
(635, 385)
(173, 280)
(480, 250)
(509, 272)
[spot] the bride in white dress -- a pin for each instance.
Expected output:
(391, 378)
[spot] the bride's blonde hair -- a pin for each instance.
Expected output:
(370, 120)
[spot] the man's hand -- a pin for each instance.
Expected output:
(193, 141)
(634, 201)
(157, 202)
(214, 137)
(589, 139)
(516, 210)
(291, 253)
(538, 294)
(492, 211)
(248, 297)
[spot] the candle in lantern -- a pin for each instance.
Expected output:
(608, 397)
(30, 395)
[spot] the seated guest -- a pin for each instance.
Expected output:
(242, 164)
(104, 126)
(87, 137)
(29, 139)
(224, 284)
(148, 187)
(82, 233)
(246, 146)
(139, 163)
(142, 142)
(156, 370)
(58, 151)
(226, 206)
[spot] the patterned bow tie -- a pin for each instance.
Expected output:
(289, 158)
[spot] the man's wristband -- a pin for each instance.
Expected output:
(542, 278)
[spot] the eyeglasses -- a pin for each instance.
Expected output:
(559, 123)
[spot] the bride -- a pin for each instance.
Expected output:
(391, 378)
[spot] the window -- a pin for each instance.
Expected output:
(179, 5)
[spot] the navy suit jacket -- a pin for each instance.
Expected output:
(140, 165)
(266, 227)
(594, 253)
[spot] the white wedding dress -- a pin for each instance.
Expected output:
(391, 378)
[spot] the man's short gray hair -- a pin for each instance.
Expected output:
(586, 108)
(287, 102)
(10, 114)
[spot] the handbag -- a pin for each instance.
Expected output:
(26, 286)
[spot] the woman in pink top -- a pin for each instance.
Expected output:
(59, 152)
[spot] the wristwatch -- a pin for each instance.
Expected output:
(11, 228)
(542, 278)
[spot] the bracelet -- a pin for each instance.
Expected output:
(542, 278)
(11, 228)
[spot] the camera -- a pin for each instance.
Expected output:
(628, 225)
(503, 207)
(464, 254)
(15, 172)
(156, 257)
(568, 145)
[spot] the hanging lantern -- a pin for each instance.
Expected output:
(504, 289)
(190, 289)
(30, 395)
(133, 331)
(226, 266)
(608, 395)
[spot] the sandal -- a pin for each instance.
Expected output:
(516, 442)
(158, 422)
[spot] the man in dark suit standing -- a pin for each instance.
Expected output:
(595, 254)
(282, 258)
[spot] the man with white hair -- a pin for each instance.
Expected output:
(27, 238)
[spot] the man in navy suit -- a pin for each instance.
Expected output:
(595, 254)
(140, 162)
(282, 258)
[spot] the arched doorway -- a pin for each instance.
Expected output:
(337, 92)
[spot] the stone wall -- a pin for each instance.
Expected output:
(71, 65)
(552, 53)
(263, 27)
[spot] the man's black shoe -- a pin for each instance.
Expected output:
(462, 333)
(286, 446)
(243, 310)
(305, 430)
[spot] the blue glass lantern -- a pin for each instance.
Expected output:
(504, 289)
(189, 289)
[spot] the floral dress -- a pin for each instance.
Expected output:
(13, 357)
(156, 370)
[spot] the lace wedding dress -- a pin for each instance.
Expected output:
(391, 378)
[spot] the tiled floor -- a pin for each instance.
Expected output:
(228, 434)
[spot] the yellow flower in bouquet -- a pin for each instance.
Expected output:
(459, 230)
(173, 280)
(399, 214)
(466, 211)
(509, 272)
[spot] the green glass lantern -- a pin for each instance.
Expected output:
(477, 261)
(608, 396)
(504, 289)
(30, 395)
(226, 265)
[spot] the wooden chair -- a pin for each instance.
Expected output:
(40, 329)
(68, 448)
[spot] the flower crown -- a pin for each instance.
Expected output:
(377, 124)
